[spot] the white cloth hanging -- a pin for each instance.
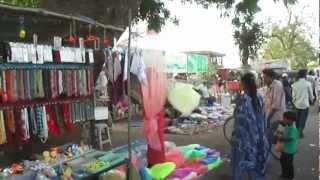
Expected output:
(138, 66)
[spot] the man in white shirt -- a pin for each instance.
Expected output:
(302, 94)
(275, 102)
(314, 84)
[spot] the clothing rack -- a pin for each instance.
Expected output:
(62, 66)
(65, 66)
(44, 102)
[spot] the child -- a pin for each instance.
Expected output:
(289, 140)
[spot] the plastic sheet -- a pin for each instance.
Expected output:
(183, 98)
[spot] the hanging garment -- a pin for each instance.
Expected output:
(85, 83)
(58, 117)
(67, 117)
(25, 125)
(138, 67)
(114, 66)
(154, 96)
(52, 126)
(33, 121)
(21, 88)
(15, 86)
(117, 90)
(9, 124)
(3, 136)
(46, 85)
(60, 82)
(90, 83)
(56, 56)
(157, 155)
(42, 126)
(1, 86)
(21, 132)
(9, 85)
(39, 87)
(4, 96)
(26, 85)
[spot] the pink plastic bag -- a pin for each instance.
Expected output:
(175, 156)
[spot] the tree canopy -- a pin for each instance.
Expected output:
(290, 42)
(248, 34)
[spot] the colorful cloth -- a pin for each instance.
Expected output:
(3, 136)
(250, 147)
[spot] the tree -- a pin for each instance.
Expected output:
(248, 34)
(290, 42)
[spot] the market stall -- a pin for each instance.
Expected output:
(47, 91)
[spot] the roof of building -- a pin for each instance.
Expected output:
(207, 53)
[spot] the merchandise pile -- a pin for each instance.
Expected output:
(185, 162)
(203, 119)
(78, 162)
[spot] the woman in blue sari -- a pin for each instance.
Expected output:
(250, 147)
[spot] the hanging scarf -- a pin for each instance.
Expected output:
(154, 95)
(3, 136)
(42, 126)
(52, 126)
(67, 117)
(9, 124)
(9, 85)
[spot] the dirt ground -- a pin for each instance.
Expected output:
(306, 160)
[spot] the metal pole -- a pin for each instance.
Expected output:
(129, 97)
(44, 12)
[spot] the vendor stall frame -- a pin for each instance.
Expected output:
(37, 12)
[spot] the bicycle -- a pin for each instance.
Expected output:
(274, 153)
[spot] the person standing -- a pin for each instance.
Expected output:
(313, 80)
(250, 146)
(287, 88)
(275, 102)
(302, 95)
(289, 138)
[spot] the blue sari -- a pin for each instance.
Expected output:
(250, 146)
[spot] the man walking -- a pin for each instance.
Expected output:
(275, 102)
(302, 95)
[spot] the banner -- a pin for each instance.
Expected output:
(197, 63)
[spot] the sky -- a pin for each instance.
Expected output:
(204, 29)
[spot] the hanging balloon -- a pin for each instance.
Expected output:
(22, 33)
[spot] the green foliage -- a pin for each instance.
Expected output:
(27, 3)
(290, 42)
(210, 74)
